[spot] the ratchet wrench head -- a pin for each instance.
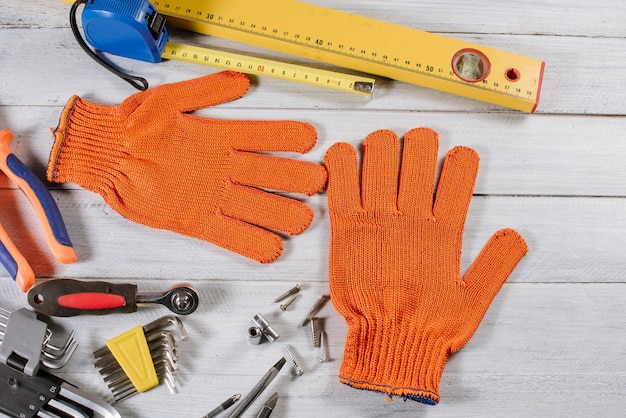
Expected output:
(181, 299)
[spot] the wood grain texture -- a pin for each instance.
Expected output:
(553, 342)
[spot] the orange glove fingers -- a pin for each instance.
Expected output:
(380, 172)
(201, 92)
(270, 210)
(344, 197)
(456, 185)
(485, 277)
(496, 262)
(491, 268)
(417, 177)
(242, 238)
(265, 135)
(284, 174)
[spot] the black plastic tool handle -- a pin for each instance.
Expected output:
(24, 396)
(69, 297)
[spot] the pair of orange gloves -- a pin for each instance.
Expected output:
(394, 269)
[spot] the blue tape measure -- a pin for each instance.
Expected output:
(128, 28)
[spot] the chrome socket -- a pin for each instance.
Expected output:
(265, 327)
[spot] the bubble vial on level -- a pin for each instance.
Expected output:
(471, 65)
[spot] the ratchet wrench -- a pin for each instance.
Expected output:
(69, 297)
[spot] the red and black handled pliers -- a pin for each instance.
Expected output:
(47, 211)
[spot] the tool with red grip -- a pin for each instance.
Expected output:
(47, 211)
(69, 297)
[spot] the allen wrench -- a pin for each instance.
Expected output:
(156, 356)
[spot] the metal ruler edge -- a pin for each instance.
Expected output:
(364, 44)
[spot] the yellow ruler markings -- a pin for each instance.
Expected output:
(260, 66)
(270, 68)
(367, 45)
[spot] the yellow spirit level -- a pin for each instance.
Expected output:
(367, 45)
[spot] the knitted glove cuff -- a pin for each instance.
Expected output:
(88, 144)
(395, 358)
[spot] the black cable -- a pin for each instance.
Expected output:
(139, 83)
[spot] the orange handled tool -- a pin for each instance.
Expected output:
(47, 211)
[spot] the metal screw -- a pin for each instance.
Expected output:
(285, 305)
(318, 304)
(324, 348)
(315, 332)
(294, 359)
(288, 293)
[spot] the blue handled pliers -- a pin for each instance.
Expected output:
(47, 211)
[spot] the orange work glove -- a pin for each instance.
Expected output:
(394, 267)
(157, 165)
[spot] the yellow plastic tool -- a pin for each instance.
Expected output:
(131, 351)
(368, 45)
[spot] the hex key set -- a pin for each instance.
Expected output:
(26, 389)
(141, 358)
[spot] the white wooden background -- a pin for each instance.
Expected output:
(552, 344)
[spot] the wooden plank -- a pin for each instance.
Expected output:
(540, 347)
(552, 342)
(458, 18)
(535, 155)
(570, 240)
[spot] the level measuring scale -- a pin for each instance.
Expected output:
(368, 45)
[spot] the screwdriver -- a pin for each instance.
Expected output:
(70, 297)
